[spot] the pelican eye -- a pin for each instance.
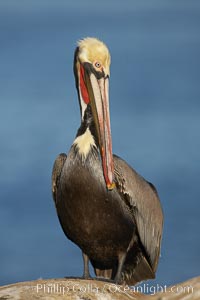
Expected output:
(97, 64)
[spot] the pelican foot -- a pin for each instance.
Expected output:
(86, 275)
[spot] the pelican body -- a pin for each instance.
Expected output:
(112, 213)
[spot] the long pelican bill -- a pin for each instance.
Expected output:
(97, 86)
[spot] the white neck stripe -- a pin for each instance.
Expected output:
(84, 143)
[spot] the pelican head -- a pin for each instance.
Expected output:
(92, 71)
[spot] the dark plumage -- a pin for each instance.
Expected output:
(116, 223)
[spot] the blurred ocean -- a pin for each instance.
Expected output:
(155, 117)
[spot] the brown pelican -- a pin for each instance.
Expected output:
(112, 213)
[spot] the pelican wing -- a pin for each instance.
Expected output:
(144, 204)
(57, 169)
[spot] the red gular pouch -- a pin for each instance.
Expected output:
(83, 88)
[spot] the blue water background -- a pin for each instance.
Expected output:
(155, 117)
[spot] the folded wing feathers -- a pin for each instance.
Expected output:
(57, 169)
(144, 202)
